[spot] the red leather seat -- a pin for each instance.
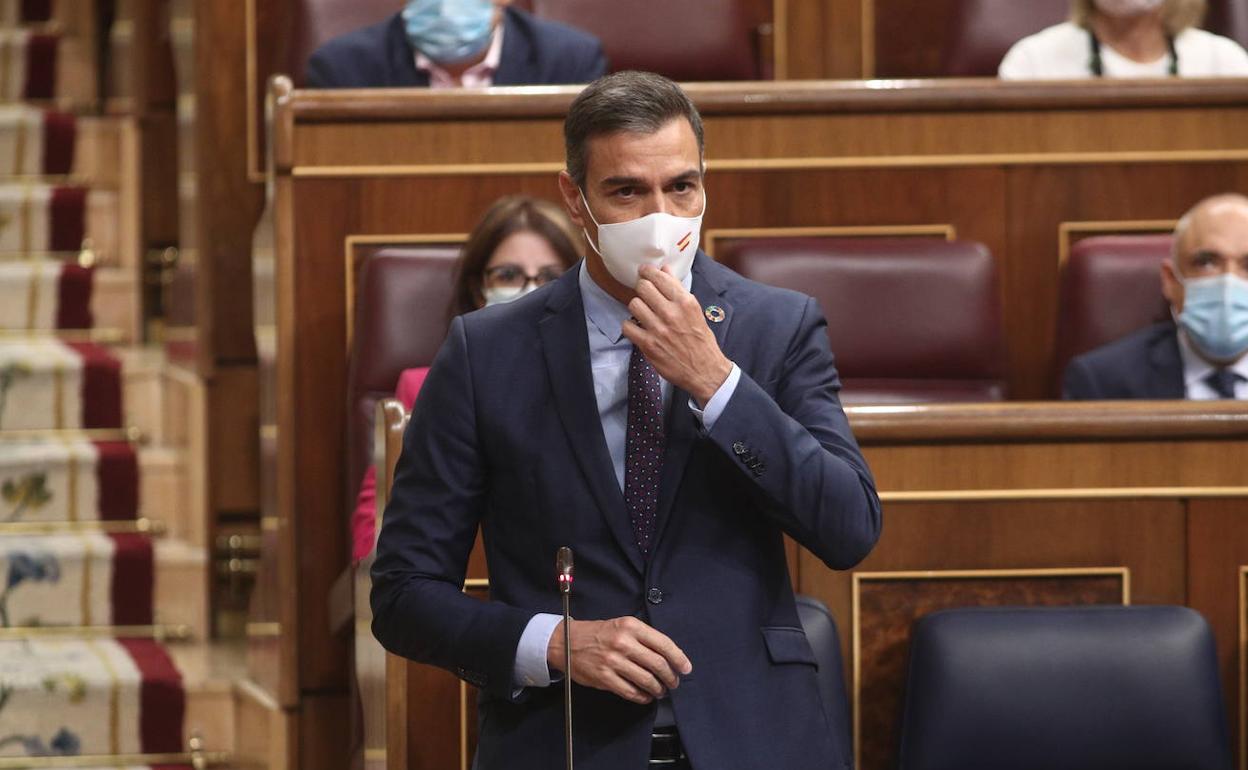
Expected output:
(703, 40)
(402, 310)
(1229, 18)
(910, 320)
(981, 31)
(1111, 286)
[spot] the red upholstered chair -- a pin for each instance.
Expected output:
(702, 40)
(1111, 286)
(910, 320)
(319, 21)
(981, 31)
(401, 317)
(1230, 18)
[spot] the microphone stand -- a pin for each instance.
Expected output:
(564, 564)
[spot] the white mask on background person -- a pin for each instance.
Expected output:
(501, 295)
(656, 239)
(1127, 8)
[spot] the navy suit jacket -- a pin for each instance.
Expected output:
(1144, 364)
(535, 52)
(506, 435)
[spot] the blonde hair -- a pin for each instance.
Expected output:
(1176, 15)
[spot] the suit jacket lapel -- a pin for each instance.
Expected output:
(515, 61)
(402, 57)
(565, 345)
(1166, 379)
(682, 427)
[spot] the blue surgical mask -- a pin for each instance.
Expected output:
(1215, 315)
(449, 30)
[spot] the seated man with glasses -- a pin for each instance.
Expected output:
(1200, 355)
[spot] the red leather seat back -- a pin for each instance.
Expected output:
(1111, 286)
(1229, 18)
(909, 319)
(684, 40)
(402, 311)
(319, 21)
(981, 31)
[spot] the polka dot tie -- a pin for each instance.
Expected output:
(643, 448)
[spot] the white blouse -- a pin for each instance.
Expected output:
(1064, 51)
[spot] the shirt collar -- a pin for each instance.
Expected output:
(1196, 370)
(479, 74)
(605, 312)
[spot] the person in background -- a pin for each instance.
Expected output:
(1202, 354)
(1126, 39)
(520, 244)
(457, 43)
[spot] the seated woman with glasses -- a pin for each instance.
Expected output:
(1126, 39)
(520, 245)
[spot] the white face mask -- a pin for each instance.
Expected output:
(1127, 8)
(501, 295)
(656, 239)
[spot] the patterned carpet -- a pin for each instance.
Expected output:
(81, 673)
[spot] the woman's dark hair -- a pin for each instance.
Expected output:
(510, 215)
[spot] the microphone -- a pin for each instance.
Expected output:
(563, 566)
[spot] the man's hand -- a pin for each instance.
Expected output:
(623, 655)
(674, 337)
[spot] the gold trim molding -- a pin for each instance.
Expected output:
(947, 231)
(1077, 493)
(1067, 230)
(795, 163)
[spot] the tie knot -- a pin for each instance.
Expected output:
(1223, 382)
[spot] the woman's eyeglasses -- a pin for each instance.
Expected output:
(514, 277)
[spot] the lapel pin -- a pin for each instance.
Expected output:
(714, 313)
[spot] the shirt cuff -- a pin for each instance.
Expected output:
(715, 407)
(531, 668)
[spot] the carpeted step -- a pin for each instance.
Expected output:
(28, 64)
(36, 142)
(50, 384)
(76, 579)
(98, 697)
(38, 218)
(44, 295)
(19, 12)
(48, 480)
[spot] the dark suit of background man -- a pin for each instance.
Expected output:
(672, 453)
(1204, 356)
(449, 43)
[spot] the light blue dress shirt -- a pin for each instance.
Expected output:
(609, 351)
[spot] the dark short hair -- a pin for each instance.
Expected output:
(508, 215)
(636, 102)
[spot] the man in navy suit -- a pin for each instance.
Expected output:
(1203, 354)
(668, 420)
(422, 46)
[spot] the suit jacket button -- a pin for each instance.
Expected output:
(738, 449)
(654, 596)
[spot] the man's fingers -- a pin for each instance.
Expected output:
(664, 281)
(625, 689)
(660, 643)
(644, 314)
(657, 665)
(648, 292)
(640, 678)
